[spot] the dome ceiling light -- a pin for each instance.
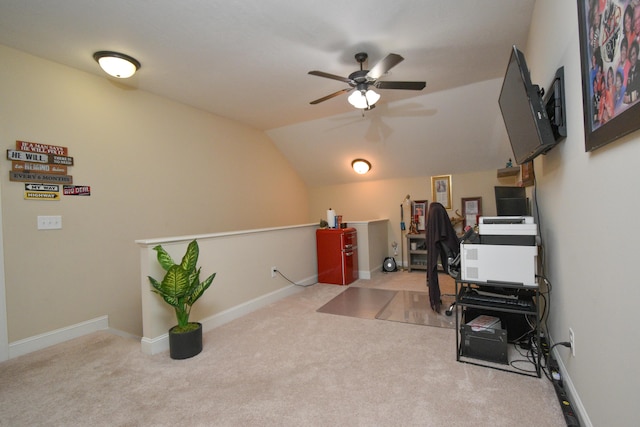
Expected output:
(361, 166)
(117, 64)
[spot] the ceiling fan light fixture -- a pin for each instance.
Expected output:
(372, 97)
(361, 166)
(117, 64)
(363, 99)
(357, 99)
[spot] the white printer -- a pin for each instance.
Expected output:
(507, 252)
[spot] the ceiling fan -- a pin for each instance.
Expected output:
(363, 97)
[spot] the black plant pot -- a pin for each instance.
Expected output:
(186, 344)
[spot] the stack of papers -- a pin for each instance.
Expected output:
(484, 323)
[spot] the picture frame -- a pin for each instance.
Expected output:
(606, 29)
(527, 175)
(471, 211)
(441, 190)
(419, 214)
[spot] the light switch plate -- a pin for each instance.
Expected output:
(49, 222)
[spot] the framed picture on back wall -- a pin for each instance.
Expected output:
(441, 190)
(419, 214)
(471, 211)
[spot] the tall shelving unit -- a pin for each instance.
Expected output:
(417, 258)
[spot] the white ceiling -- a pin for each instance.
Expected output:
(248, 60)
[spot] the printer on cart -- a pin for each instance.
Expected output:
(507, 251)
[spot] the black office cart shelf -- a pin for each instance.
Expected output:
(516, 306)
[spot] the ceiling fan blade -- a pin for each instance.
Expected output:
(400, 85)
(382, 67)
(333, 95)
(330, 76)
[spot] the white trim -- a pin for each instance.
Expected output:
(4, 332)
(148, 242)
(363, 274)
(571, 391)
(159, 344)
(38, 342)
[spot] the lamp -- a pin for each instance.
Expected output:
(117, 64)
(363, 97)
(408, 201)
(361, 166)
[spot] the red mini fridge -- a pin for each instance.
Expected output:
(337, 255)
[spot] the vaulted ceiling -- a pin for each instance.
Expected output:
(248, 61)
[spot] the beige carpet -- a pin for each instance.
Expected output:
(396, 306)
(364, 303)
(414, 307)
(284, 365)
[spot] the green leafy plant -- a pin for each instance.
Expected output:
(181, 286)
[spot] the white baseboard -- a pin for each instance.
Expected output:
(571, 391)
(38, 342)
(159, 344)
(362, 274)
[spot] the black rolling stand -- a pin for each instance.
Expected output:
(516, 305)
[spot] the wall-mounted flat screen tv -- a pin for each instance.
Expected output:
(524, 112)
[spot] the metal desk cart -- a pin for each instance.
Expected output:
(480, 340)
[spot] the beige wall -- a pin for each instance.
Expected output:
(381, 199)
(156, 168)
(588, 203)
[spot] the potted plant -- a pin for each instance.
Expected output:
(180, 288)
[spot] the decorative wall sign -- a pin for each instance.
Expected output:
(76, 190)
(41, 195)
(35, 147)
(42, 168)
(39, 177)
(39, 167)
(60, 160)
(26, 156)
(42, 187)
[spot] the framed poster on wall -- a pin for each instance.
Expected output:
(471, 211)
(419, 213)
(441, 190)
(609, 51)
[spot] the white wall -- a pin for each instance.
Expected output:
(588, 202)
(155, 168)
(372, 245)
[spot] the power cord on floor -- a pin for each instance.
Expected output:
(291, 281)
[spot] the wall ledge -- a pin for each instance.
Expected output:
(159, 240)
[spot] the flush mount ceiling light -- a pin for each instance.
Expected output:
(117, 64)
(361, 166)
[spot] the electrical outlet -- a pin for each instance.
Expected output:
(274, 269)
(572, 340)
